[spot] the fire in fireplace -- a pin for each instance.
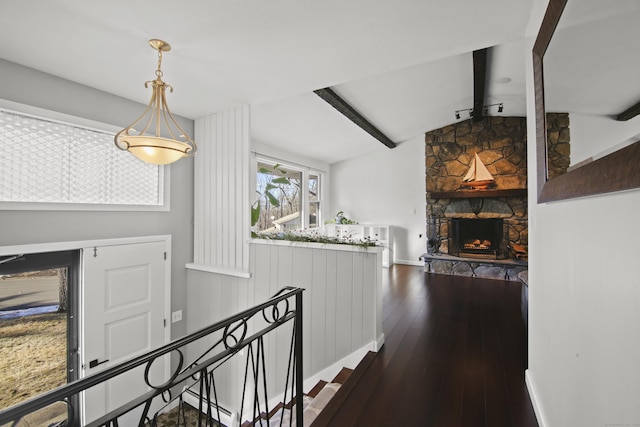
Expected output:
(479, 238)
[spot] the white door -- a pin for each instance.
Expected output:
(123, 309)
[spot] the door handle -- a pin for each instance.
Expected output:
(95, 363)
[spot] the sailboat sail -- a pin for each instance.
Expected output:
(478, 175)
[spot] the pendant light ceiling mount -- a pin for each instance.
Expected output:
(170, 142)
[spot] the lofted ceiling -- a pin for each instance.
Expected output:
(404, 65)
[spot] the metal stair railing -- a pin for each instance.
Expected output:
(199, 374)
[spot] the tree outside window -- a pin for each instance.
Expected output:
(278, 206)
(287, 199)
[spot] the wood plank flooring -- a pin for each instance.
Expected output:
(455, 355)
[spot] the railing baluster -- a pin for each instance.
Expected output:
(297, 325)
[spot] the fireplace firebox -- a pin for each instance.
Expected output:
(477, 238)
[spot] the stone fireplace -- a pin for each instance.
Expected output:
(477, 232)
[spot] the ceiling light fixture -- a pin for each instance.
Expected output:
(157, 149)
(485, 110)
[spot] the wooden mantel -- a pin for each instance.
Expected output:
(469, 194)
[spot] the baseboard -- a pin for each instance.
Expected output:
(535, 400)
(228, 417)
(407, 262)
(377, 345)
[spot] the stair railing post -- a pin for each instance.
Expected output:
(298, 361)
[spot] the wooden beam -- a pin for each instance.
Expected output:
(349, 112)
(629, 113)
(479, 82)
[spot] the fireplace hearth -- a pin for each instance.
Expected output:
(477, 238)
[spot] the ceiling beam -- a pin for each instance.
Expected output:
(629, 113)
(479, 82)
(349, 112)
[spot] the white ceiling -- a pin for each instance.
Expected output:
(404, 65)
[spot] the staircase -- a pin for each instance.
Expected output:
(321, 403)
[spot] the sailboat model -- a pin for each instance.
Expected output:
(478, 177)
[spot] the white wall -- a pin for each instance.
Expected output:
(386, 187)
(584, 322)
(31, 87)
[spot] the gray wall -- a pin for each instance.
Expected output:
(31, 87)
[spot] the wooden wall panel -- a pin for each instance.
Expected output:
(317, 307)
(302, 276)
(330, 305)
(340, 300)
(357, 301)
(221, 199)
(343, 303)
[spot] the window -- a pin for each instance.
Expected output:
(39, 328)
(44, 161)
(282, 203)
(314, 201)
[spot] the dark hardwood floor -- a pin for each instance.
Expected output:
(455, 355)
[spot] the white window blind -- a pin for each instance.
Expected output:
(46, 161)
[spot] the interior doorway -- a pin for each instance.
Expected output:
(38, 326)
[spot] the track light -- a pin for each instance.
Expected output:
(485, 110)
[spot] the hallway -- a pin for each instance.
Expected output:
(455, 355)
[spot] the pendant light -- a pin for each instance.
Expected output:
(153, 147)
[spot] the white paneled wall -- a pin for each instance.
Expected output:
(221, 187)
(342, 303)
(342, 293)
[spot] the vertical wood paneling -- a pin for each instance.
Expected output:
(344, 298)
(198, 203)
(225, 224)
(356, 301)
(317, 308)
(330, 307)
(221, 217)
(210, 166)
(369, 297)
(217, 199)
(302, 277)
(283, 334)
(339, 299)
(246, 179)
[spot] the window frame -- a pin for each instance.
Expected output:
(306, 171)
(67, 119)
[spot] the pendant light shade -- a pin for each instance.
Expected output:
(167, 142)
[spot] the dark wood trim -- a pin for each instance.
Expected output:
(479, 82)
(618, 171)
(629, 113)
(549, 24)
(513, 192)
(349, 112)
